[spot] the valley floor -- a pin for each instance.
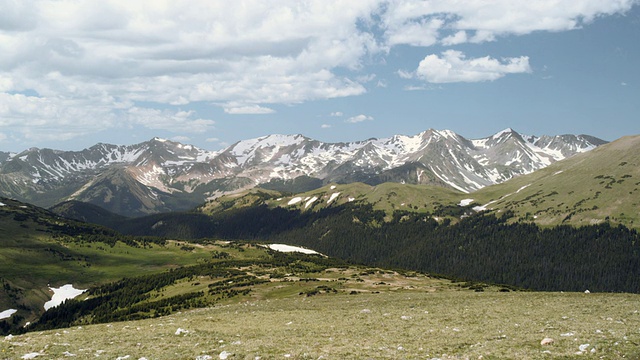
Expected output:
(407, 324)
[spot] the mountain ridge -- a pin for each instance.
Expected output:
(178, 176)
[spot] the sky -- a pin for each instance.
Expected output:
(74, 73)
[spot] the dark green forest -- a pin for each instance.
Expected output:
(481, 247)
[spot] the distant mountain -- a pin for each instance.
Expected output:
(161, 175)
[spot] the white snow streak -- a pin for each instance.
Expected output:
(310, 201)
(289, 248)
(333, 197)
(295, 200)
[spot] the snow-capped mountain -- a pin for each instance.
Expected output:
(164, 175)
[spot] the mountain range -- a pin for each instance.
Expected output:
(161, 175)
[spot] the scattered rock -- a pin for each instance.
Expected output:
(204, 357)
(587, 292)
(365, 311)
(181, 331)
(546, 341)
(567, 334)
(583, 347)
(224, 355)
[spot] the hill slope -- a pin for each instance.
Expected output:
(40, 250)
(591, 188)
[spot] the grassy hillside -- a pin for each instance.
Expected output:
(602, 185)
(387, 197)
(403, 323)
(39, 249)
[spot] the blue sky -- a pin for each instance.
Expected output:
(210, 73)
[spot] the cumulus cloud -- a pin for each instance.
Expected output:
(325, 126)
(359, 118)
(423, 23)
(336, 114)
(241, 56)
(96, 65)
(453, 66)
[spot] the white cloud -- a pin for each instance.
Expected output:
(181, 121)
(325, 126)
(420, 32)
(181, 139)
(213, 139)
(241, 56)
(336, 114)
(423, 23)
(359, 118)
(405, 74)
(457, 38)
(453, 66)
(97, 65)
(252, 109)
(414, 88)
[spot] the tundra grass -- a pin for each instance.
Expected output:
(405, 324)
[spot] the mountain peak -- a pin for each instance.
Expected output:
(505, 132)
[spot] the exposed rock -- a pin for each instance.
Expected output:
(546, 341)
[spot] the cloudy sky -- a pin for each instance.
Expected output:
(74, 73)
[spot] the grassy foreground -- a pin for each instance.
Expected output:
(408, 323)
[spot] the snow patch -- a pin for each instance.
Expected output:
(310, 201)
(289, 248)
(295, 200)
(61, 294)
(465, 202)
(522, 188)
(333, 197)
(2, 204)
(333, 187)
(351, 199)
(7, 313)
